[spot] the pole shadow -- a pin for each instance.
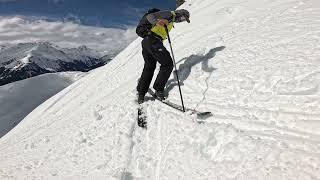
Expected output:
(184, 69)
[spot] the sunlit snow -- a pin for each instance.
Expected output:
(253, 64)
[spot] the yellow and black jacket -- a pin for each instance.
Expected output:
(160, 31)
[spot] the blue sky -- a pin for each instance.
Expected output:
(101, 13)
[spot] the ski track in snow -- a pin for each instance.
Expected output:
(255, 66)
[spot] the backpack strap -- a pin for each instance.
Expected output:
(173, 14)
(160, 31)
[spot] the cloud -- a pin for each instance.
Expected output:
(19, 29)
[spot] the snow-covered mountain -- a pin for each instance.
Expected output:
(26, 60)
(18, 99)
(107, 58)
(254, 65)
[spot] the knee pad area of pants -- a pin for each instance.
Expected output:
(168, 66)
(149, 68)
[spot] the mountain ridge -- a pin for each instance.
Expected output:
(26, 60)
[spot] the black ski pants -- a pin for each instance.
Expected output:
(153, 51)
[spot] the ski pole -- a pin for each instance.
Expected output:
(175, 67)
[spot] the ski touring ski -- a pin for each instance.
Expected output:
(200, 115)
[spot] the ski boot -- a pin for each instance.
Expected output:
(160, 95)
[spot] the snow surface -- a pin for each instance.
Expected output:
(255, 65)
(18, 99)
(26, 59)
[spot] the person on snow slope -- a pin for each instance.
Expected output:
(152, 28)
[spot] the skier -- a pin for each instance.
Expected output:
(152, 28)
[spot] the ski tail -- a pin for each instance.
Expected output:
(204, 115)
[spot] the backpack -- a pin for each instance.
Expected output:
(144, 25)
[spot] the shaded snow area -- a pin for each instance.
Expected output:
(18, 99)
(254, 65)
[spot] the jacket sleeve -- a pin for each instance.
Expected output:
(154, 17)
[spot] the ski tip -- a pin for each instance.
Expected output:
(204, 115)
(143, 125)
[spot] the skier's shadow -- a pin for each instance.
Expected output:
(184, 69)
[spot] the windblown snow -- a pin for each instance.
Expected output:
(254, 65)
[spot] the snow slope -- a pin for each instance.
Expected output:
(18, 99)
(255, 65)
